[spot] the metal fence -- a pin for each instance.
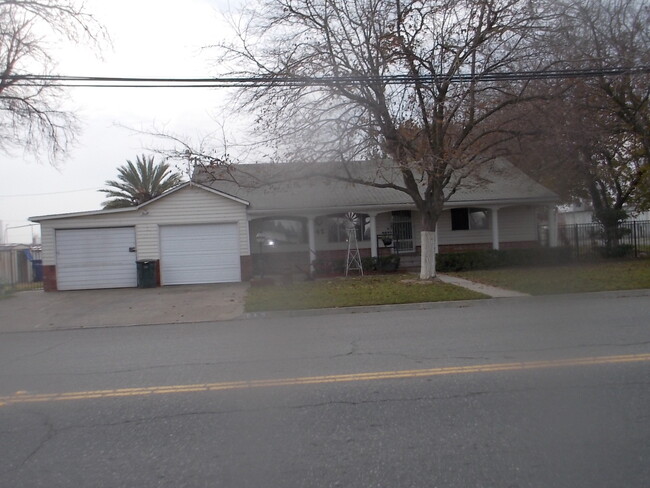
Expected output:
(587, 240)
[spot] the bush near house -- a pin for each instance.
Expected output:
(458, 261)
(336, 267)
(465, 261)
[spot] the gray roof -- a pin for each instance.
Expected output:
(312, 187)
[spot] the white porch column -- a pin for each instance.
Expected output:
(373, 235)
(311, 235)
(494, 221)
(552, 226)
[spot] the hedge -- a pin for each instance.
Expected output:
(465, 261)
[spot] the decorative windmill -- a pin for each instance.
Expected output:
(353, 261)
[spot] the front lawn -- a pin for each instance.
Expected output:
(602, 276)
(354, 291)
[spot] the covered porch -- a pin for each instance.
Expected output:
(306, 242)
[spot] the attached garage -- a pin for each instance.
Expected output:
(96, 258)
(202, 253)
(189, 235)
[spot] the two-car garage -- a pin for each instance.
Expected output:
(102, 249)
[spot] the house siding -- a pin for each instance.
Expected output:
(189, 205)
(516, 224)
(148, 241)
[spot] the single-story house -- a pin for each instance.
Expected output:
(226, 224)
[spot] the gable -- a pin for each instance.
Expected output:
(194, 204)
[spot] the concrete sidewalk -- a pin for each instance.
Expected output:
(37, 310)
(491, 291)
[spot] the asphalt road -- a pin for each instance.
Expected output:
(547, 391)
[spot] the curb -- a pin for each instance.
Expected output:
(309, 312)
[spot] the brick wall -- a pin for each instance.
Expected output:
(246, 267)
(49, 278)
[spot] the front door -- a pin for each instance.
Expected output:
(402, 231)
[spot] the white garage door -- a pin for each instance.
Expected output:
(95, 258)
(192, 254)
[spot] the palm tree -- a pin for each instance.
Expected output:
(139, 182)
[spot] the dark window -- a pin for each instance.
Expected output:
(459, 219)
(469, 219)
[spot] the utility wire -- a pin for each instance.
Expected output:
(277, 80)
(48, 193)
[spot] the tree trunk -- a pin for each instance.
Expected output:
(427, 254)
(428, 241)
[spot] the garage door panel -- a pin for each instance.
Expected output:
(95, 258)
(205, 253)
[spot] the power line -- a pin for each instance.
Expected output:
(49, 193)
(277, 80)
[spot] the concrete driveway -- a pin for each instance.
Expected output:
(37, 310)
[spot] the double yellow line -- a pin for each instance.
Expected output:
(26, 397)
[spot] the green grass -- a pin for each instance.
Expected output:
(8, 290)
(350, 292)
(602, 276)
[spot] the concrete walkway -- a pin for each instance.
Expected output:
(491, 291)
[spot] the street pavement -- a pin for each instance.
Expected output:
(523, 392)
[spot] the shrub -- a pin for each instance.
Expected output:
(369, 264)
(384, 264)
(465, 261)
(620, 251)
(387, 263)
(324, 267)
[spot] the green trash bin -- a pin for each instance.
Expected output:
(146, 274)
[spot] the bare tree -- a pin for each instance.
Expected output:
(31, 116)
(606, 33)
(387, 89)
(594, 134)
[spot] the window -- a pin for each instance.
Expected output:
(281, 231)
(469, 219)
(337, 226)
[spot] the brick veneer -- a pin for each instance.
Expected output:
(246, 267)
(49, 278)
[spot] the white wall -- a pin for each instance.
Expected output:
(516, 224)
(189, 205)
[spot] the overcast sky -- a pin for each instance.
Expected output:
(151, 38)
